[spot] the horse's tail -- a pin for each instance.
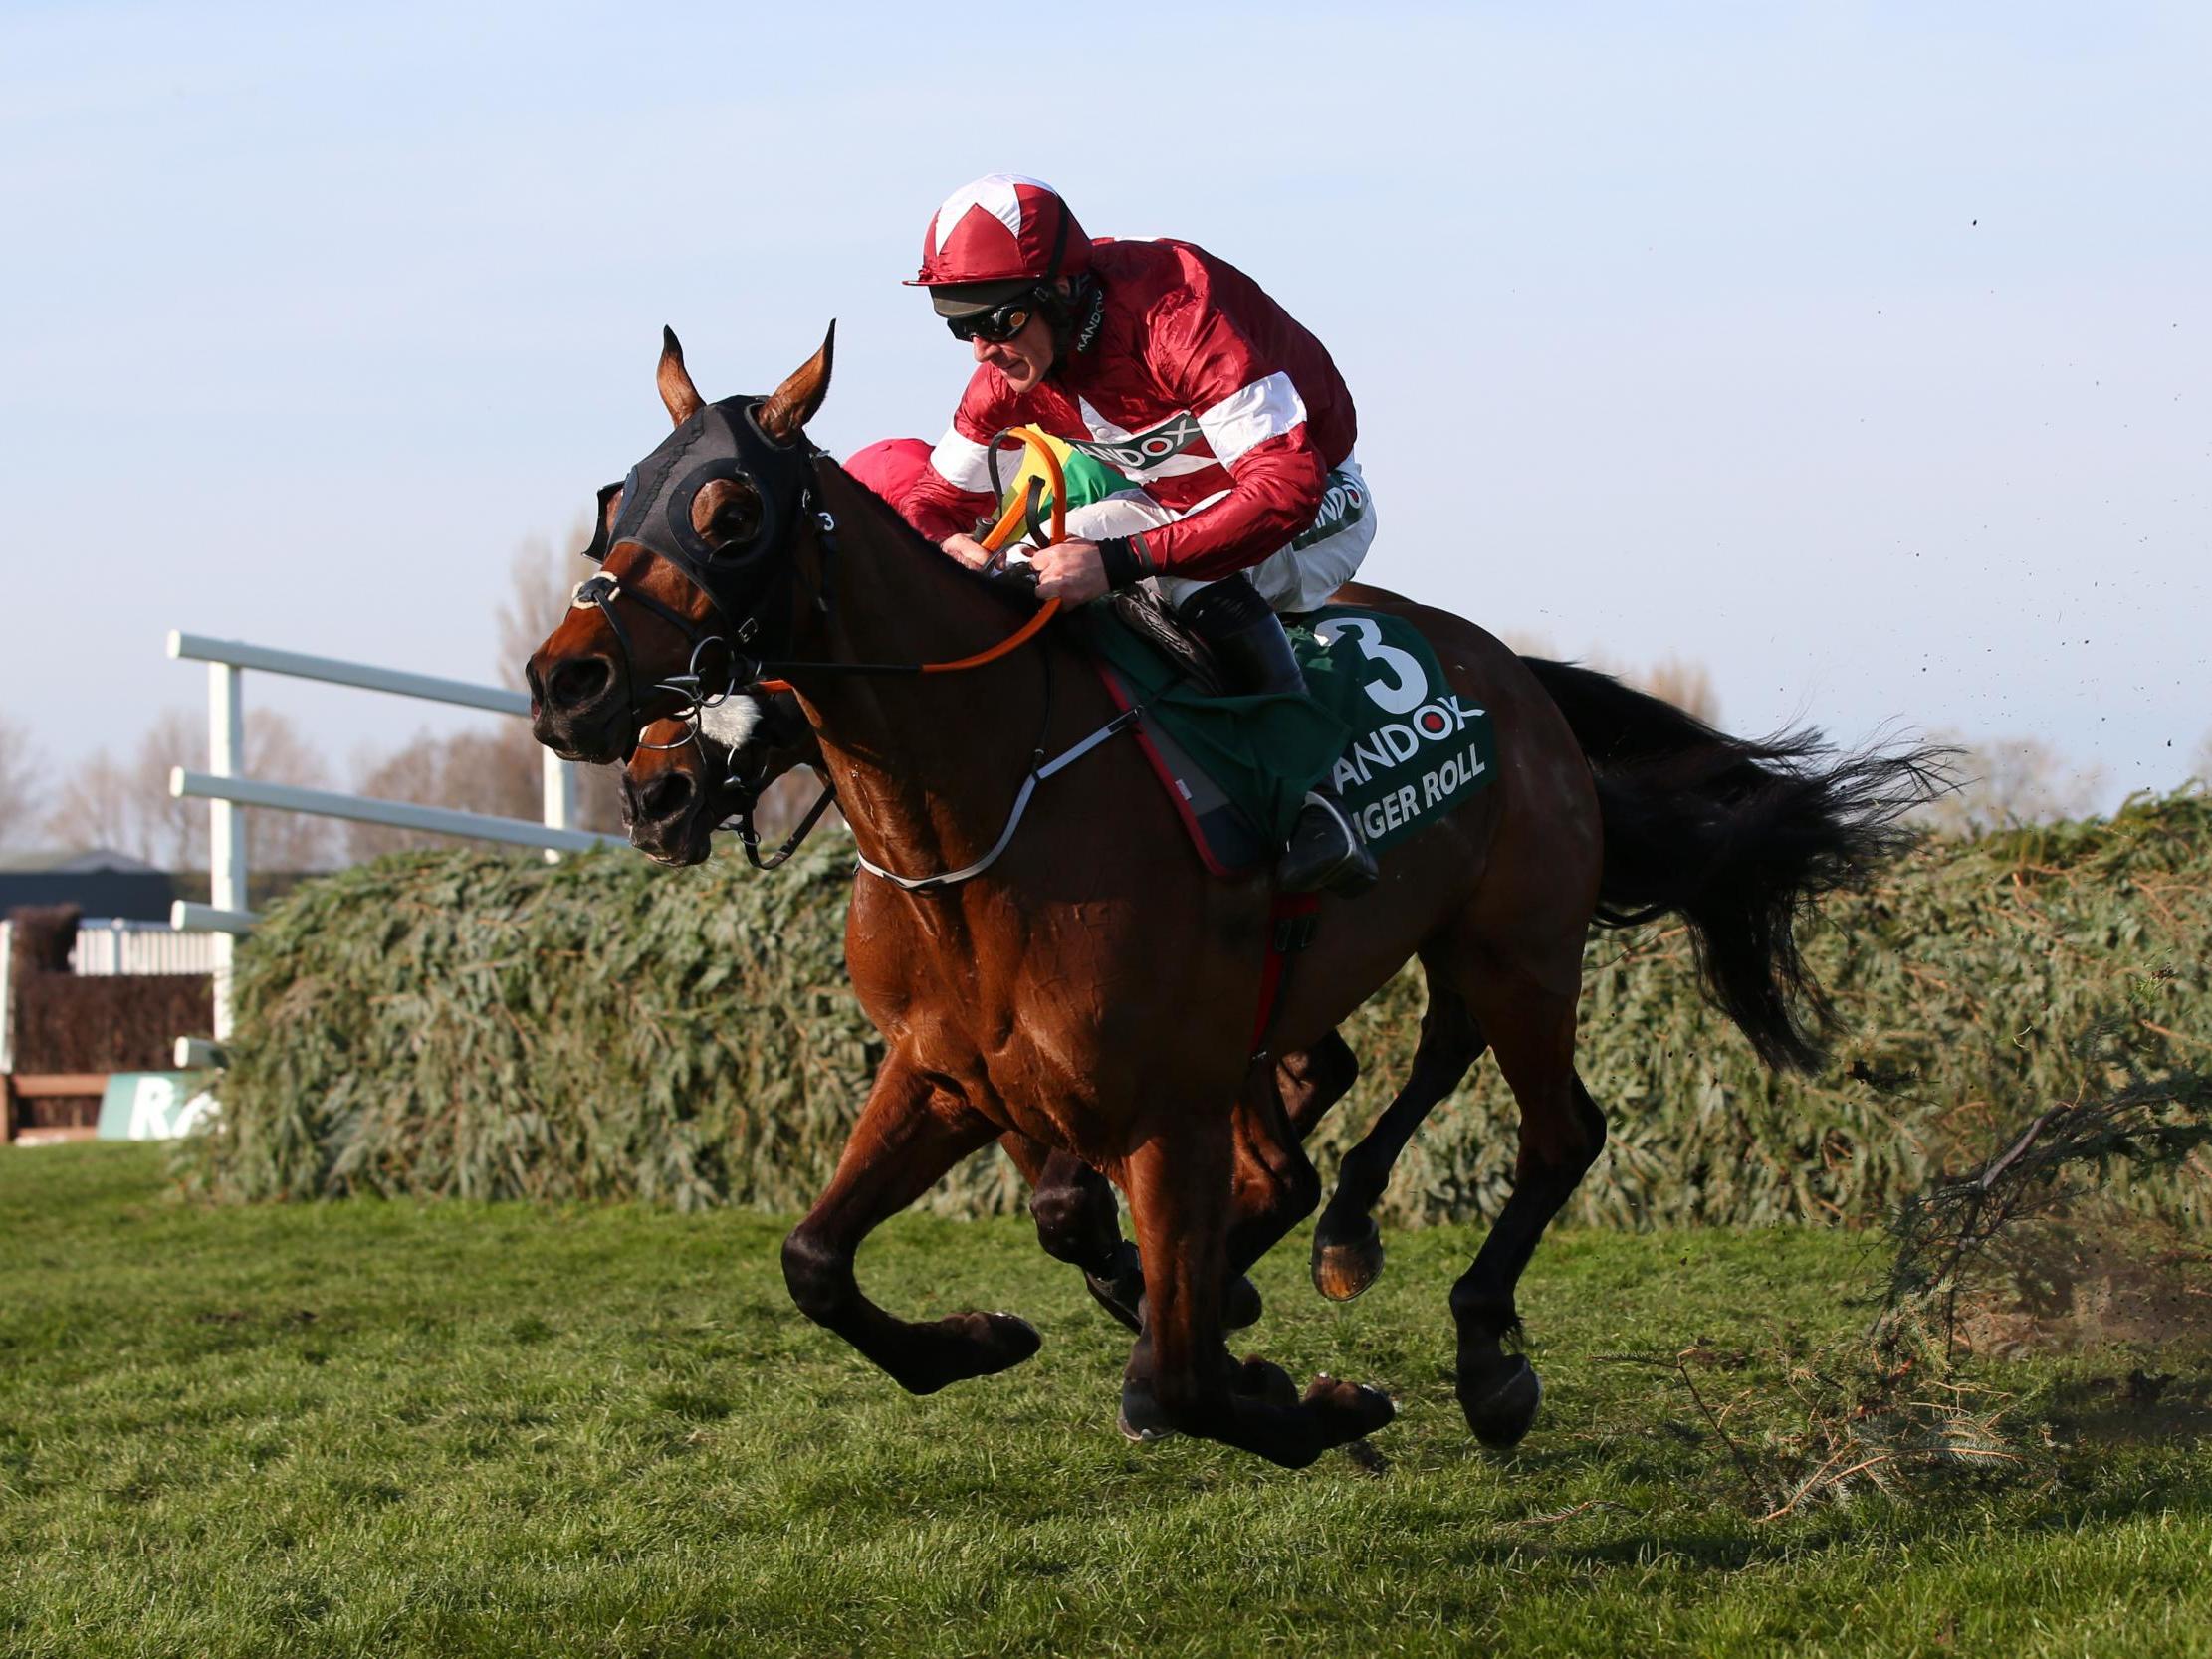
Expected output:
(1738, 838)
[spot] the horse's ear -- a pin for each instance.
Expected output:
(677, 392)
(799, 400)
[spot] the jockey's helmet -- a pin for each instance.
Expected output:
(994, 237)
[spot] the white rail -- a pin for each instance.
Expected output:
(300, 666)
(140, 947)
(368, 809)
(225, 914)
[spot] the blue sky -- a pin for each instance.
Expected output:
(1858, 352)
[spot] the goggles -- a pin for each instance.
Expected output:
(997, 326)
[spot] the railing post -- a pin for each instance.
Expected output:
(226, 828)
(559, 796)
(7, 997)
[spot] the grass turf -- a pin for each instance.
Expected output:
(456, 1429)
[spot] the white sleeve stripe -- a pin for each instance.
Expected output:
(960, 462)
(1264, 409)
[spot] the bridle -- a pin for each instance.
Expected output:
(655, 514)
(652, 510)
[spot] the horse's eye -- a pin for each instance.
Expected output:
(738, 519)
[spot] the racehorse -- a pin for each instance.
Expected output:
(1085, 983)
(686, 779)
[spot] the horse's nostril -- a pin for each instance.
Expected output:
(666, 795)
(574, 684)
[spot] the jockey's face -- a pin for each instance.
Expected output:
(1023, 360)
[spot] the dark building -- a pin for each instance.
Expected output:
(103, 885)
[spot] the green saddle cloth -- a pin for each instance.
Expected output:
(1403, 748)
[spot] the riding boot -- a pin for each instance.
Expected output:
(1248, 640)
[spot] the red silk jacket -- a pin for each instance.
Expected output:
(1199, 387)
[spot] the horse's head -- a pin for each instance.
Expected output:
(680, 785)
(695, 548)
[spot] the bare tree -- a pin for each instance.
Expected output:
(2200, 769)
(541, 577)
(1676, 680)
(98, 806)
(539, 584)
(2009, 781)
(496, 772)
(19, 773)
(126, 805)
(277, 752)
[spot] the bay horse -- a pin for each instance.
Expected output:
(688, 778)
(1091, 986)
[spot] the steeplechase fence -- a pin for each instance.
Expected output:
(224, 918)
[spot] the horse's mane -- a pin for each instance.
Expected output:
(1017, 597)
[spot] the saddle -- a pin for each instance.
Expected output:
(1147, 616)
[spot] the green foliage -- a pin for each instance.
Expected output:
(469, 1024)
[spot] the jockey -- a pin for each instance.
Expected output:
(1172, 366)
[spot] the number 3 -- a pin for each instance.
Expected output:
(1406, 688)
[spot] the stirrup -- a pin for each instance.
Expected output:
(1325, 852)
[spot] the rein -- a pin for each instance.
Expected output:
(1018, 514)
(601, 591)
(749, 838)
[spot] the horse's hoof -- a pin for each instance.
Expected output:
(1358, 1409)
(1241, 1305)
(1005, 1338)
(1342, 1269)
(1502, 1413)
(1141, 1418)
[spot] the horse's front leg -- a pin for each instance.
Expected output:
(909, 1134)
(1181, 1375)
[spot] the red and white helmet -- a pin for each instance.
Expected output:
(1001, 228)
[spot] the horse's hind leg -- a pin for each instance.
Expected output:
(1315, 1078)
(1273, 1185)
(1562, 1133)
(1077, 1223)
(1347, 1245)
(909, 1134)
(1180, 1374)
(1275, 1189)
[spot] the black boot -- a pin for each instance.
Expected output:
(1247, 639)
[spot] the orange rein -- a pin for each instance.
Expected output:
(995, 538)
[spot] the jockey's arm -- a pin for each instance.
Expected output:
(1255, 423)
(954, 489)
(1277, 491)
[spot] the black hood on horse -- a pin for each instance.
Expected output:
(723, 440)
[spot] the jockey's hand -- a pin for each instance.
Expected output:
(1071, 573)
(966, 549)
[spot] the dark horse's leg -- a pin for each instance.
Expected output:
(1077, 1223)
(909, 1134)
(1347, 1245)
(1315, 1078)
(1179, 1184)
(1272, 1185)
(1275, 1189)
(1562, 1133)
